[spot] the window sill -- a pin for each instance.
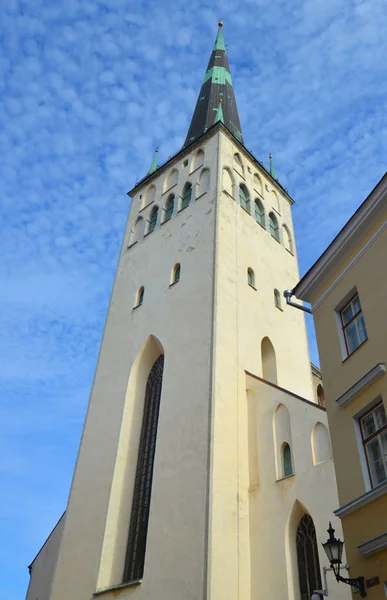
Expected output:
(137, 306)
(290, 252)
(276, 210)
(114, 588)
(132, 244)
(200, 195)
(275, 239)
(196, 169)
(174, 283)
(353, 352)
(363, 500)
(251, 285)
(183, 208)
(166, 220)
(279, 308)
(149, 232)
(169, 189)
(260, 224)
(239, 173)
(362, 384)
(284, 478)
(246, 210)
(146, 206)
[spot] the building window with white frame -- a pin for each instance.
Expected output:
(373, 427)
(352, 322)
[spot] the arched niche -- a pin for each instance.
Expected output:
(287, 238)
(273, 197)
(204, 182)
(238, 164)
(282, 439)
(198, 160)
(252, 428)
(321, 444)
(320, 395)
(171, 180)
(121, 494)
(227, 182)
(269, 363)
(257, 184)
(137, 231)
(149, 196)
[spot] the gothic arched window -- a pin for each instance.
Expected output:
(169, 206)
(250, 277)
(244, 199)
(187, 195)
(287, 460)
(307, 557)
(259, 212)
(138, 529)
(176, 273)
(153, 219)
(273, 227)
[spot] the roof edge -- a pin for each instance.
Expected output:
(360, 222)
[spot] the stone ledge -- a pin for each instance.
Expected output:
(356, 389)
(363, 500)
(373, 545)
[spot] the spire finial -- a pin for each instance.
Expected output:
(272, 169)
(153, 166)
(220, 24)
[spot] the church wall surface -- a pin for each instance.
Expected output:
(179, 317)
(43, 566)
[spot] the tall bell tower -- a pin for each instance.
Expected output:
(179, 478)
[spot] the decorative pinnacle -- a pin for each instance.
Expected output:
(220, 24)
(153, 166)
(272, 170)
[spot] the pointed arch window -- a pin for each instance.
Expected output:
(277, 299)
(175, 274)
(250, 277)
(287, 460)
(169, 206)
(139, 297)
(273, 227)
(259, 212)
(309, 575)
(138, 529)
(244, 199)
(187, 195)
(153, 219)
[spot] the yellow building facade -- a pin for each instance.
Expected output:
(347, 288)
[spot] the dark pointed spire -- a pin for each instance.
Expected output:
(217, 87)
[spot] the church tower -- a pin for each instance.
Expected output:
(199, 465)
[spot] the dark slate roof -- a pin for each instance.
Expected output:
(216, 100)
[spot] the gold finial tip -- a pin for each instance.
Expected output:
(270, 155)
(156, 150)
(220, 100)
(220, 24)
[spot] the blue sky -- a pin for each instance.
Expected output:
(87, 90)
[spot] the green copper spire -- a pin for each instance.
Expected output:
(272, 169)
(219, 42)
(153, 166)
(217, 83)
(219, 113)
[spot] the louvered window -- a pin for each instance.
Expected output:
(307, 557)
(138, 529)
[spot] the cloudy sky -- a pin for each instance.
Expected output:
(88, 88)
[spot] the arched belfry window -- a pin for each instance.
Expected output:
(153, 219)
(309, 575)
(244, 199)
(138, 529)
(259, 212)
(187, 195)
(273, 227)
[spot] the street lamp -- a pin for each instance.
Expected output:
(334, 550)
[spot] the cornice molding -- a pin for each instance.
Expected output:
(360, 222)
(357, 388)
(361, 501)
(373, 545)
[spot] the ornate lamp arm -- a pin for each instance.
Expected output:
(357, 583)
